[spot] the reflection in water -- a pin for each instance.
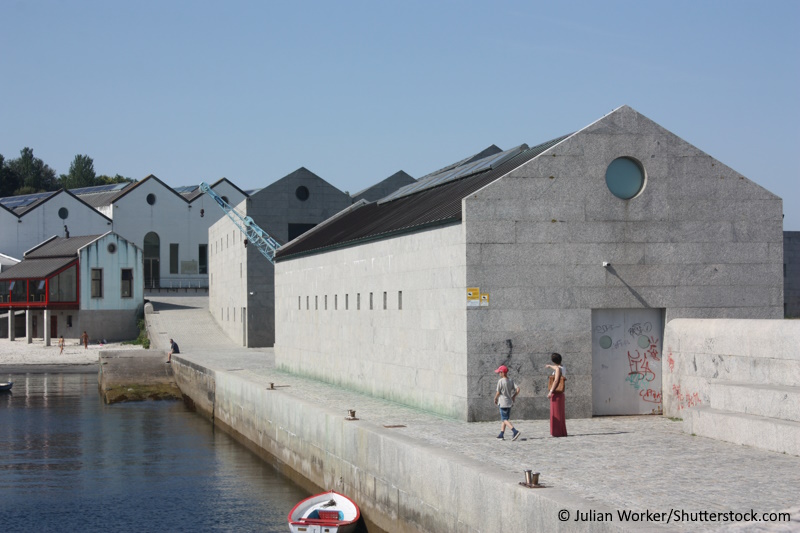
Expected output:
(68, 462)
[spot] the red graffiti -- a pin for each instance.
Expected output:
(640, 366)
(652, 351)
(671, 362)
(685, 400)
(650, 395)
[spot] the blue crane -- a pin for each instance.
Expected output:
(255, 235)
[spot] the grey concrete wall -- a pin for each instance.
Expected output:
(228, 277)
(700, 354)
(399, 485)
(276, 206)
(415, 355)
(241, 280)
(700, 241)
(791, 279)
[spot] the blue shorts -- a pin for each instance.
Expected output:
(505, 412)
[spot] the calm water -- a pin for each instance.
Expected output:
(70, 463)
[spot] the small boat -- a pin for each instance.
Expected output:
(6, 386)
(329, 512)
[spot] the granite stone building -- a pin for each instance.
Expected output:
(586, 245)
(241, 293)
(791, 273)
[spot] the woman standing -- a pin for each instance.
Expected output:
(558, 420)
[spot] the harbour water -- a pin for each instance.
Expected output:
(68, 462)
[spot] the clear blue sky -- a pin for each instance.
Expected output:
(194, 91)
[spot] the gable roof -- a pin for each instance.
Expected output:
(436, 205)
(26, 203)
(48, 257)
(133, 186)
(384, 187)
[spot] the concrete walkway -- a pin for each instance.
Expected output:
(622, 463)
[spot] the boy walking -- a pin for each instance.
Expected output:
(504, 398)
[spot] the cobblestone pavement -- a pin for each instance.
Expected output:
(638, 463)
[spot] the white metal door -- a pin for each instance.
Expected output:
(626, 361)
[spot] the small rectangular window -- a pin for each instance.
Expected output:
(298, 303)
(173, 258)
(335, 302)
(326, 302)
(346, 302)
(358, 301)
(127, 283)
(202, 259)
(316, 303)
(370, 302)
(97, 283)
(308, 299)
(385, 300)
(399, 299)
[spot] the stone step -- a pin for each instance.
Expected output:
(742, 369)
(772, 401)
(771, 434)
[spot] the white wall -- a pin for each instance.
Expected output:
(175, 221)
(416, 355)
(39, 224)
(96, 255)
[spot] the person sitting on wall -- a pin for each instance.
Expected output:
(173, 348)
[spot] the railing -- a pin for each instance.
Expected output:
(177, 283)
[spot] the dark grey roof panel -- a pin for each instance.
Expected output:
(429, 207)
(36, 268)
(452, 173)
(61, 247)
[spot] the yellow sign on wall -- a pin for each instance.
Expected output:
(473, 296)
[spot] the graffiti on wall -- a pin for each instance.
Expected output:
(685, 399)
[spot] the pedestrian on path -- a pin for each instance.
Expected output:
(558, 419)
(173, 348)
(504, 398)
(85, 340)
(61, 345)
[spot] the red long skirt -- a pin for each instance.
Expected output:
(558, 420)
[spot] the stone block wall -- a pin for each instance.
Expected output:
(699, 241)
(702, 354)
(386, 318)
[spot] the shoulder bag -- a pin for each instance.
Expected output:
(559, 387)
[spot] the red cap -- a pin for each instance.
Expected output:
(501, 369)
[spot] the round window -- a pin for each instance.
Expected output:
(112, 247)
(625, 177)
(63, 213)
(301, 193)
(151, 199)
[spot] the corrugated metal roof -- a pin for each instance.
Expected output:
(36, 268)
(433, 206)
(61, 247)
(100, 199)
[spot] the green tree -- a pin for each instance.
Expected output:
(81, 173)
(9, 180)
(34, 174)
(108, 180)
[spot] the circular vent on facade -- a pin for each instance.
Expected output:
(112, 248)
(63, 213)
(625, 177)
(302, 193)
(151, 199)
